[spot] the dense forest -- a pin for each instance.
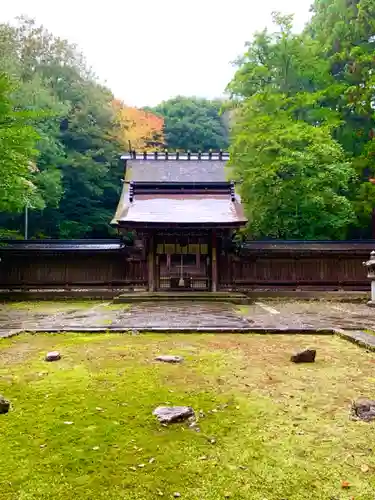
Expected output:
(298, 120)
(62, 133)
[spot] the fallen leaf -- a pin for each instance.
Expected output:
(152, 460)
(95, 448)
(141, 466)
(68, 423)
(345, 485)
(203, 457)
(132, 468)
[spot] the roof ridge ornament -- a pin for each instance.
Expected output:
(177, 156)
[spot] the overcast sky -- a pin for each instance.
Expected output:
(147, 51)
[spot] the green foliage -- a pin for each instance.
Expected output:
(345, 31)
(193, 124)
(17, 152)
(295, 176)
(78, 174)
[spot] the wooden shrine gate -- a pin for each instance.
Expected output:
(182, 262)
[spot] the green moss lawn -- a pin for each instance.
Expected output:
(82, 428)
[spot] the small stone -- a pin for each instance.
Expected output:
(160, 493)
(4, 405)
(170, 359)
(68, 423)
(213, 441)
(176, 494)
(133, 469)
(53, 356)
(203, 458)
(152, 460)
(99, 409)
(96, 448)
(171, 414)
(305, 356)
(363, 409)
(42, 446)
(141, 466)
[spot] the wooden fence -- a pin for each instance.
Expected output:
(259, 265)
(71, 264)
(297, 265)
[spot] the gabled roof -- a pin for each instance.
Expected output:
(175, 171)
(181, 189)
(160, 210)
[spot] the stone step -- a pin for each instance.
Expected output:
(234, 298)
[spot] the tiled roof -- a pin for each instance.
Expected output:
(197, 209)
(309, 246)
(176, 171)
(61, 245)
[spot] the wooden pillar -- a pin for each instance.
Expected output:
(151, 263)
(214, 283)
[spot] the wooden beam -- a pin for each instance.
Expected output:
(214, 281)
(151, 263)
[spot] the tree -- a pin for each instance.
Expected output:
(140, 129)
(193, 124)
(294, 174)
(345, 30)
(17, 152)
(78, 170)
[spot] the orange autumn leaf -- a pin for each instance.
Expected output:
(345, 485)
(141, 129)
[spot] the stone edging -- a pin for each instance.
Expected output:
(363, 339)
(358, 337)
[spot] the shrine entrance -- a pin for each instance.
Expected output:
(182, 262)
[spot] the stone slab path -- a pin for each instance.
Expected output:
(186, 315)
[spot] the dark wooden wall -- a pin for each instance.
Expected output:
(328, 266)
(71, 270)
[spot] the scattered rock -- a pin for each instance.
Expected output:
(4, 405)
(53, 356)
(171, 414)
(363, 409)
(170, 359)
(305, 356)
(177, 494)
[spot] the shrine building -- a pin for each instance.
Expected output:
(180, 208)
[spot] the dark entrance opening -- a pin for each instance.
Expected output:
(183, 262)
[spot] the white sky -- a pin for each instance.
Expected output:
(150, 50)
